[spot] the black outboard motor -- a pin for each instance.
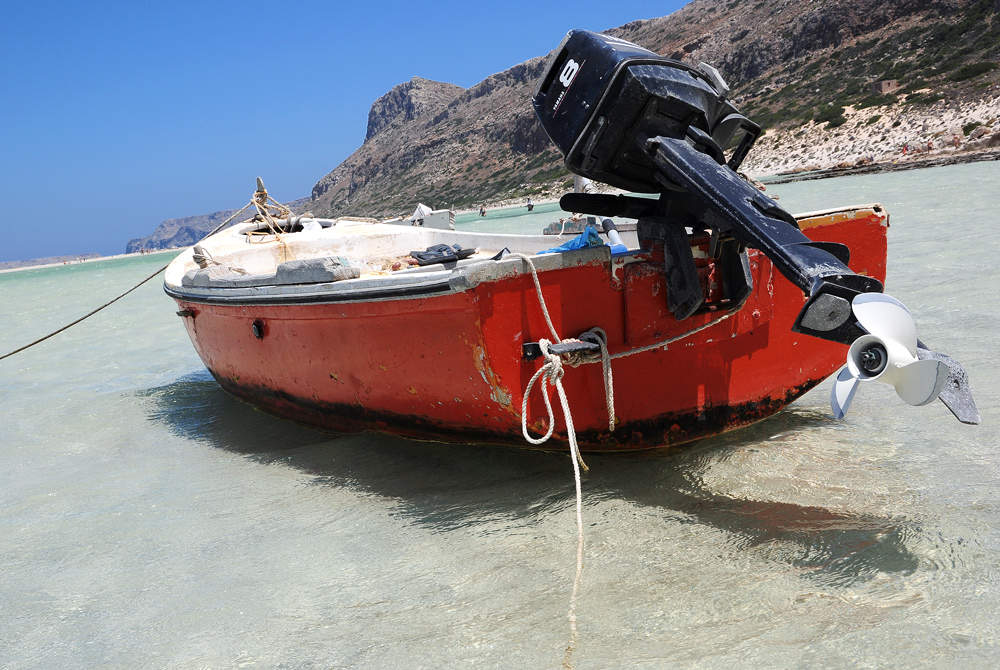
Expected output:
(603, 98)
(630, 118)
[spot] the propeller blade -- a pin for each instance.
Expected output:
(843, 392)
(957, 394)
(887, 318)
(921, 382)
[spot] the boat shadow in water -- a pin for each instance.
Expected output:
(832, 547)
(447, 487)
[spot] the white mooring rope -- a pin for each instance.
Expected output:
(551, 374)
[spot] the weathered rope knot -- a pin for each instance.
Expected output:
(551, 374)
(598, 336)
(202, 257)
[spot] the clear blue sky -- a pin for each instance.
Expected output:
(118, 115)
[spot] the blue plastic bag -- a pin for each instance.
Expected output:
(588, 238)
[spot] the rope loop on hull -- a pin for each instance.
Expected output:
(552, 371)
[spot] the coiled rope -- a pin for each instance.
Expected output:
(264, 204)
(113, 301)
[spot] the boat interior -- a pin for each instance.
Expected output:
(340, 254)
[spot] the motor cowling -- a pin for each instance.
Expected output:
(602, 97)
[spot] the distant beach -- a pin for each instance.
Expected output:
(916, 163)
(922, 135)
(88, 259)
(970, 152)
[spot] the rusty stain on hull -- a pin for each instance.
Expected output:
(672, 431)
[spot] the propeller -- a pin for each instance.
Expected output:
(888, 354)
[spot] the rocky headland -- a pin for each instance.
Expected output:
(473, 145)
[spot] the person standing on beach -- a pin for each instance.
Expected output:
(530, 205)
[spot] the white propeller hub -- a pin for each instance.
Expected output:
(873, 358)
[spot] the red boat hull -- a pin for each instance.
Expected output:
(449, 366)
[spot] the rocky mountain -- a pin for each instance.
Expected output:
(797, 67)
(408, 101)
(468, 147)
(806, 70)
(188, 230)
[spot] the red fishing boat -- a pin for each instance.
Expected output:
(438, 352)
(719, 310)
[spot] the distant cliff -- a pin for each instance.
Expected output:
(468, 146)
(408, 101)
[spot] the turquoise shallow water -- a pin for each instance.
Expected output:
(149, 520)
(512, 219)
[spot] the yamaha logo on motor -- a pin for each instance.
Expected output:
(566, 77)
